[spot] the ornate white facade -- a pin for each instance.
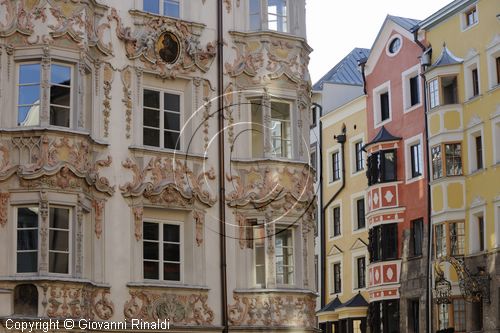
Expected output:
(109, 163)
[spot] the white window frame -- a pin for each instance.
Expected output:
(290, 121)
(389, 42)
(336, 259)
(472, 134)
(352, 146)
(492, 52)
(161, 8)
(354, 212)
(331, 231)
(463, 17)
(495, 130)
(71, 250)
(160, 250)
(355, 255)
(405, 79)
(377, 92)
(329, 163)
(161, 110)
(264, 16)
(294, 256)
(470, 65)
(473, 230)
(254, 255)
(43, 74)
(434, 93)
(417, 139)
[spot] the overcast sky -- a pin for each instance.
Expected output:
(335, 27)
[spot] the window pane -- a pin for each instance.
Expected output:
(59, 218)
(389, 166)
(171, 272)
(29, 73)
(255, 22)
(151, 98)
(60, 75)
(152, 6)
(414, 91)
(361, 213)
(172, 102)
(384, 106)
(150, 231)
(151, 270)
(171, 252)
(27, 239)
(171, 121)
(27, 217)
(60, 95)
(437, 163)
(27, 262)
(171, 233)
(29, 95)
(171, 140)
(28, 115)
(151, 118)
(449, 86)
(58, 262)
(59, 240)
(59, 116)
(150, 250)
(171, 8)
(151, 137)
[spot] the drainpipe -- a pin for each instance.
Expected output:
(361, 64)
(340, 139)
(428, 315)
(222, 189)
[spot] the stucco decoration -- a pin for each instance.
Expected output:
(142, 43)
(77, 301)
(106, 102)
(249, 58)
(98, 206)
(243, 228)
(126, 76)
(83, 21)
(273, 310)
(4, 203)
(168, 181)
(199, 218)
(286, 188)
(138, 213)
(55, 161)
(180, 307)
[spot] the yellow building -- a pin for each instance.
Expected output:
(463, 117)
(345, 234)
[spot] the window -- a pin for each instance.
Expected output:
(336, 221)
(390, 316)
(414, 91)
(162, 251)
(414, 316)
(162, 7)
(480, 226)
(358, 148)
(416, 160)
(459, 315)
(314, 111)
(443, 89)
(276, 15)
(30, 90)
(259, 255)
(395, 45)
(449, 239)
(433, 93)
(382, 167)
(284, 256)
(59, 238)
(337, 278)
(384, 106)
(497, 61)
(360, 213)
(161, 119)
(416, 237)
(361, 270)
(281, 130)
(452, 315)
(479, 152)
(383, 242)
(313, 162)
(335, 166)
(452, 161)
(470, 17)
(475, 82)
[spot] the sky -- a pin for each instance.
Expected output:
(335, 27)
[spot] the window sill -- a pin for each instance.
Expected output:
(382, 123)
(469, 27)
(493, 88)
(359, 230)
(166, 285)
(358, 172)
(473, 99)
(412, 258)
(414, 179)
(57, 278)
(279, 289)
(412, 108)
(477, 172)
(165, 151)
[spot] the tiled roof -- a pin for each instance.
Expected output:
(346, 71)
(447, 58)
(407, 23)
(356, 301)
(336, 303)
(382, 136)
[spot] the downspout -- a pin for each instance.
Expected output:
(222, 187)
(340, 139)
(428, 315)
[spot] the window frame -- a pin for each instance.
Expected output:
(414, 225)
(281, 229)
(446, 236)
(358, 272)
(162, 111)
(161, 8)
(439, 99)
(378, 170)
(493, 63)
(410, 143)
(476, 157)
(357, 201)
(380, 248)
(334, 233)
(337, 287)
(377, 107)
(70, 239)
(286, 140)
(443, 161)
(264, 17)
(406, 77)
(464, 17)
(45, 72)
(161, 242)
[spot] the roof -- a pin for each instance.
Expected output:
(447, 58)
(407, 23)
(346, 71)
(336, 303)
(382, 136)
(355, 302)
(445, 12)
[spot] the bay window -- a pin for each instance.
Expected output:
(268, 14)
(382, 167)
(383, 240)
(451, 162)
(443, 91)
(449, 239)
(29, 91)
(284, 256)
(162, 253)
(281, 138)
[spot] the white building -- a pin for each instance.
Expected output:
(113, 203)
